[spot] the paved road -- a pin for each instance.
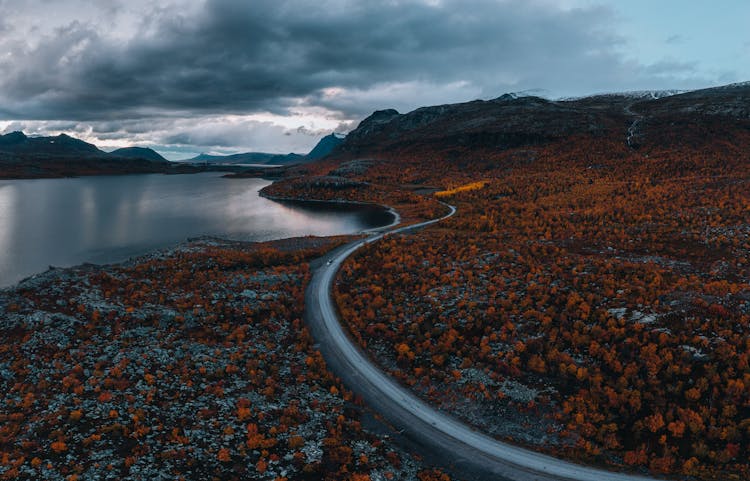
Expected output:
(460, 447)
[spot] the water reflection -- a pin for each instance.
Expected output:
(65, 222)
(7, 217)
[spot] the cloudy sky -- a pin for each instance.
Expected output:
(223, 76)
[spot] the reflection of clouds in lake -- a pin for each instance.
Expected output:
(249, 216)
(64, 222)
(88, 209)
(8, 199)
(294, 219)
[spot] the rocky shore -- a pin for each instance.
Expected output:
(189, 363)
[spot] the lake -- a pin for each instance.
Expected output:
(65, 222)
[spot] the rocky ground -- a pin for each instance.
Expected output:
(191, 363)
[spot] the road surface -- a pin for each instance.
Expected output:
(467, 452)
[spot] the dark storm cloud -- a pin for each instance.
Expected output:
(234, 56)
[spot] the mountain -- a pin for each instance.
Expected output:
(728, 101)
(62, 156)
(62, 145)
(488, 127)
(502, 123)
(22, 156)
(139, 153)
(249, 158)
(637, 203)
(325, 146)
(12, 139)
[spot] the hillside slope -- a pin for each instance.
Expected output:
(486, 127)
(590, 298)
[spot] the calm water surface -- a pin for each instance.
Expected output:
(64, 222)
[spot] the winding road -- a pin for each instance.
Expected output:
(458, 446)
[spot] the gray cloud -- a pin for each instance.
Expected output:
(235, 56)
(126, 61)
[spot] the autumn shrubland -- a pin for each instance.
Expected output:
(189, 364)
(589, 299)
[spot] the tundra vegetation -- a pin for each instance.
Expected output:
(588, 299)
(188, 364)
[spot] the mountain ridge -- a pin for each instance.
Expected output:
(246, 158)
(511, 121)
(139, 153)
(22, 156)
(324, 147)
(62, 145)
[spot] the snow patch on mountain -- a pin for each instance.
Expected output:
(633, 95)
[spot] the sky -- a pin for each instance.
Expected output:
(227, 76)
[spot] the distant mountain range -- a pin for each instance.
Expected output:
(19, 145)
(486, 128)
(22, 156)
(479, 128)
(139, 153)
(633, 94)
(62, 156)
(248, 158)
(324, 147)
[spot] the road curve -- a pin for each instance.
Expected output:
(456, 444)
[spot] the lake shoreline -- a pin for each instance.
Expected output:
(192, 244)
(338, 202)
(229, 213)
(180, 341)
(158, 253)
